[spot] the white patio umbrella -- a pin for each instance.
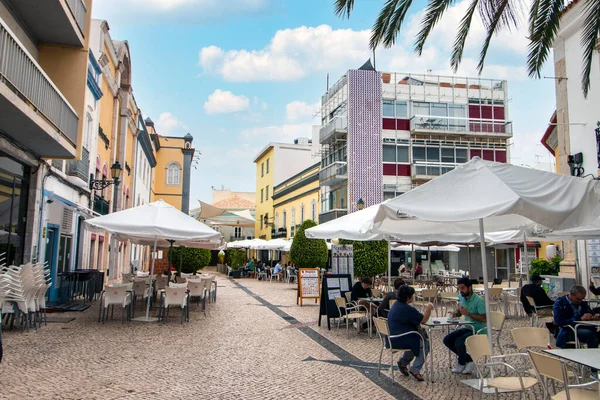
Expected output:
(156, 223)
(499, 196)
(277, 244)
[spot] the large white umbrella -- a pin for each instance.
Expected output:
(277, 244)
(156, 223)
(499, 196)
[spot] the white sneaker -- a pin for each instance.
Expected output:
(458, 369)
(355, 325)
(469, 368)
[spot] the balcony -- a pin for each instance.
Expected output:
(101, 206)
(234, 238)
(80, 168)
(60, 22)
(34, 112)
(335, 129)
(429, 124)
(331, 215)
(334, 173)
(426, 171)
(279, 233)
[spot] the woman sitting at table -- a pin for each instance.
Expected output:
(403, 318)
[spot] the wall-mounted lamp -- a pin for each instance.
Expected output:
(360, 203)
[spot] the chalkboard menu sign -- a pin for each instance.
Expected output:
(335, 285)
(308, 284)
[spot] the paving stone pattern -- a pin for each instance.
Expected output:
(256, 343)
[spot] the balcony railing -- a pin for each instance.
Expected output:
(335, 128)
(233, 238)
(23, 74)
(334, 173)
(80, 168)
(78, 9)
(331, 215)
(460, 124)
(101, 206)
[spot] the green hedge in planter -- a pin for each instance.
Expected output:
(370, 258)
(308, 253)
(193, 259)
(235, 258)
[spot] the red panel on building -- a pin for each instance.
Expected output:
(389, 123)
(501, 156)
(498, 112)
(474, 112)
(488, 155)
(403, 124)
(389, 169)
(475, 153)
(486, 112)
(403, 169)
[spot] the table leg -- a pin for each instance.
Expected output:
(431, 369)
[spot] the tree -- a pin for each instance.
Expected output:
(497, 15)
(308, 253)
(541, 266)
(193, 259)
(370, 258)
(235, 258)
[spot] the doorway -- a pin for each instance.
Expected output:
(50, 257)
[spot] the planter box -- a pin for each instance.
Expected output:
(236, 274)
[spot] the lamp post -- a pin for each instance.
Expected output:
(361, 204)
(100, 184)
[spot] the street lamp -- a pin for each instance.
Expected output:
(360, 204)
(100, 184)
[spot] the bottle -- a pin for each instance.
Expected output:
(549, 347)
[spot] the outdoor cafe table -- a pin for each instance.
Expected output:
(588, 357)
(374, 300)
(443, 322)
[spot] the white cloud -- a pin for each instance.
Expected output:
(300, 110)
(527, 150)
(280, 133)
(187, 11)
(292, 54)
(223, 102)
(169, 125)
(257, 103)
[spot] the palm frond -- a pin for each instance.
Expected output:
(543, 25)
(343, 8)
(461, 36)
(496, 14)
(589, 39)
(389, 22)
(433, 14)
(533, 15)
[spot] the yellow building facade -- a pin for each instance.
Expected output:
(294, 201)
(264, 192)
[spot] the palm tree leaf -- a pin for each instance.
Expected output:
(589, 38)
(433, 14)
(496, 14)
(543, 28)
(389, 22)
(343, 8)
(533, 15)
(461, 36)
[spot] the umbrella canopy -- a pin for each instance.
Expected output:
(277, 244)
(353, 226)
(142, 224)
(448, 248)
(503, 195)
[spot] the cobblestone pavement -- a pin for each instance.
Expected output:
(242, 350)
(255, 344)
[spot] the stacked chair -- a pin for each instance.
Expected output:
(23, 294)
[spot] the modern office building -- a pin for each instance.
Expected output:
(385, 133)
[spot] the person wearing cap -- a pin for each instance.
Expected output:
(536, 292)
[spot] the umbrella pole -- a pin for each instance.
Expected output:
(429, 261)
(488, 318)
(180, 259)
(524, 260)
(389, 283)
(469, 261)
(148, 318)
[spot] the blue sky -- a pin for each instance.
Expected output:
(238, 74)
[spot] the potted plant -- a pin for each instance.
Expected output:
(235, 258)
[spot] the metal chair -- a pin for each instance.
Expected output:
(351, 311)
(538, 311)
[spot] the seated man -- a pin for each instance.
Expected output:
(472, 306)
(277, 271)
(536, 292)
(402, 319)
(361, 289)
(384, 307)
(291, 272)
(567, 311)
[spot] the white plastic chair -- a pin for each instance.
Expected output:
(120, 296)
(178, 297)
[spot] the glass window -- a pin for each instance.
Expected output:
(314, 210)
(439, 109)
(389, 154)
(173, 174)
(418, 153)
(433, 154)
(388, 108)
(461, 156)
(447, 155)
(262, 169)
(401, 109)
(267, 193)
(402, 154)
(388, 196)
(420, 108)
(460, 112)
(302, 213)
(262, 195)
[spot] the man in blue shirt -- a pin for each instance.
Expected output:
(403, 318)
(567, 311)
(277, 270)
(472, 306)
